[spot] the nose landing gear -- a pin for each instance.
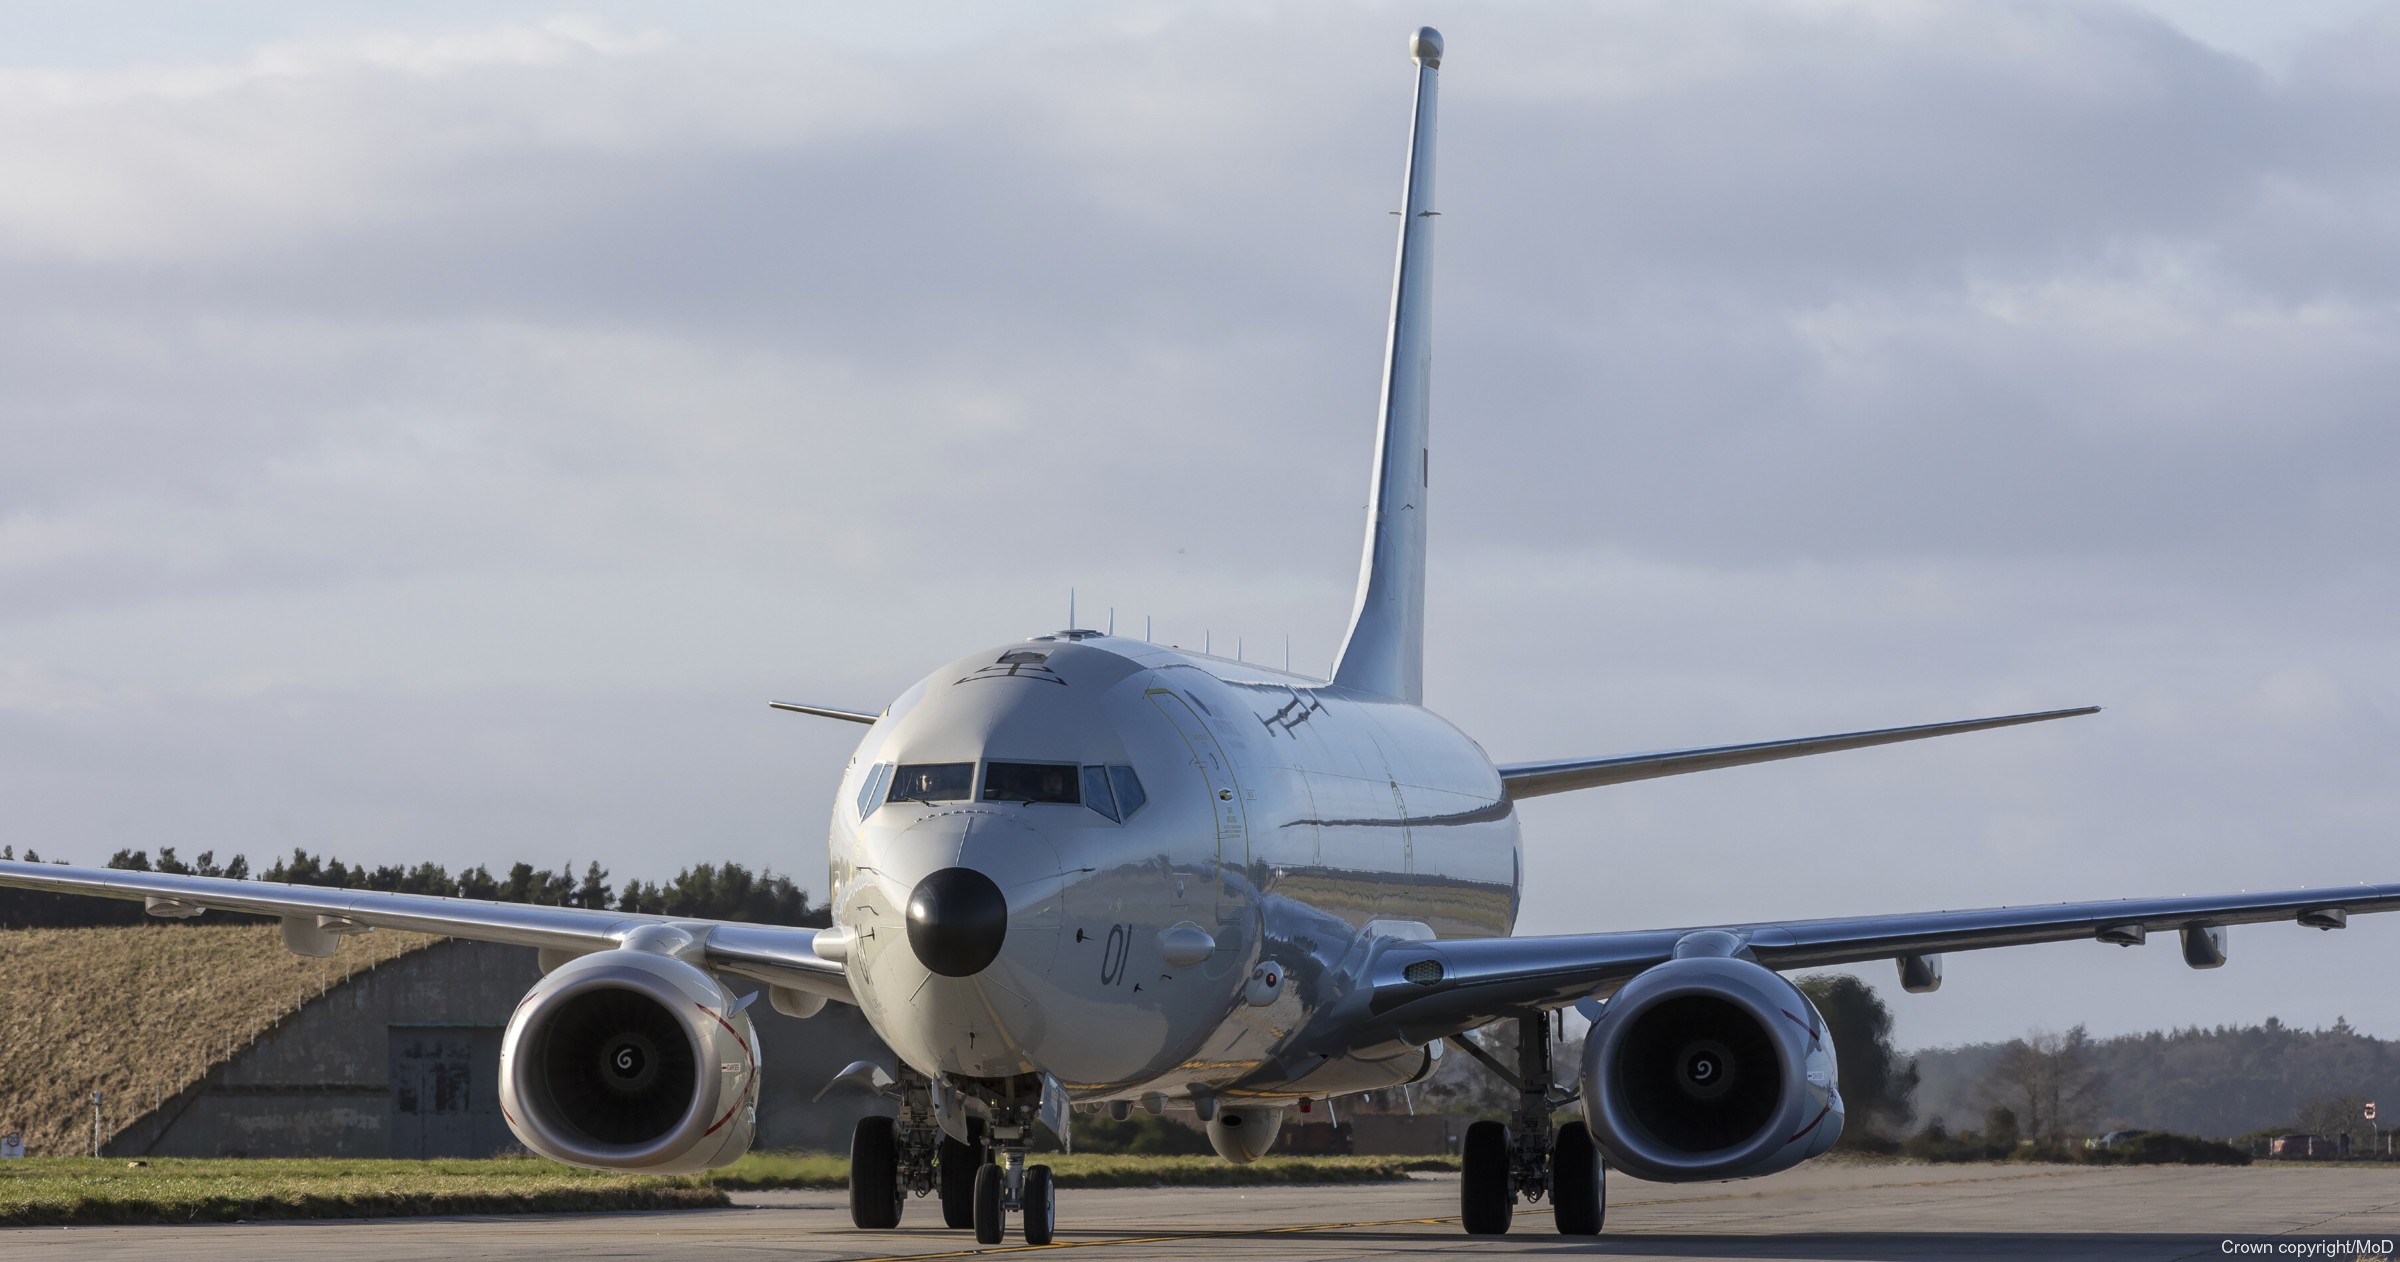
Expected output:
(1529, 1158)
(1006, 1183)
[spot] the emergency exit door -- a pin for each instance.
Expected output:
(1224, 793)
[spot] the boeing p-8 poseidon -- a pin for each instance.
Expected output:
(1086, 871)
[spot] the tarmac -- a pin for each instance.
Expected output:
(1842, 1213)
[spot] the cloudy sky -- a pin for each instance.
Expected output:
(434, 434)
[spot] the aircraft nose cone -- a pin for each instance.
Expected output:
(956, 920)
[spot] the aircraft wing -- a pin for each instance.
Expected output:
(1533, 779)
(313, 916)
(1424, 985)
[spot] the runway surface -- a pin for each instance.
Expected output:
(1845, 1212)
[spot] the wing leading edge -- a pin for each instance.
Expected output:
(1533, 779)
(312, 916)
(1460, 980)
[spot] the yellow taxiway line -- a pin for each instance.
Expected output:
(990, 1250)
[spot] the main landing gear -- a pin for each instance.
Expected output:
(959, 1164)
(980, 1182)
(1527, 1158)
(893, 1157)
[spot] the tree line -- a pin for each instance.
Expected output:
(703, 891)
(2223, 1081)
(2048, 1091)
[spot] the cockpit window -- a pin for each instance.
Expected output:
(1129, 791)
(1096, 794)
(932, 782)
(1030, 782)
(870, 794)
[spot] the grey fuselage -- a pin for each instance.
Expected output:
(1294, 823)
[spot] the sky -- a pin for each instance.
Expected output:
(434, 433)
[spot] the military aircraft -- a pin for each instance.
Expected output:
(1086, 871)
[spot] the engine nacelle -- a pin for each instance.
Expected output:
(631, 1060)
(1710, 1068)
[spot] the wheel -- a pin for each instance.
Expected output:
(1578, 1182)
(991, 1222)
(875, 1173)
(1487, 1189)
(957, 1167)
(1037, 1204)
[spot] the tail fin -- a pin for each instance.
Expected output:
(1385, 651)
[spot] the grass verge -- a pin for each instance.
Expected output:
(78, 1191)
(762, 1171)
(69, 1191)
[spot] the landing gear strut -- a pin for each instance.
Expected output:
(1527, 1158)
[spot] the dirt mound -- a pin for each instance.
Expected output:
(140, 1013)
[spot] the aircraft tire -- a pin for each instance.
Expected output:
(1038, 1205)
(1487, 1193)
(957, 1166)
(875, 1191)
(991, 1221)
(1578, 1182)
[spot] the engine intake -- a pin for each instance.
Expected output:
(630, 1060)
(1710, 1068)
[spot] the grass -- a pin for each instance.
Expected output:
(63, 1191)
(768, 1170)
(140, 1012)
(72, 1191)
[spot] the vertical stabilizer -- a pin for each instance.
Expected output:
(1385, 651)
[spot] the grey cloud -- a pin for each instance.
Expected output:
(450, 462)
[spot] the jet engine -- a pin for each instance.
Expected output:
(631, 1060)
(1710, 1068)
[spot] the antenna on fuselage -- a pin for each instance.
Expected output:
(1070, 608)
(1384, 652)
(1146, 630)
(1112, 619)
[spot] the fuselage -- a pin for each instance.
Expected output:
(1192, 856)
